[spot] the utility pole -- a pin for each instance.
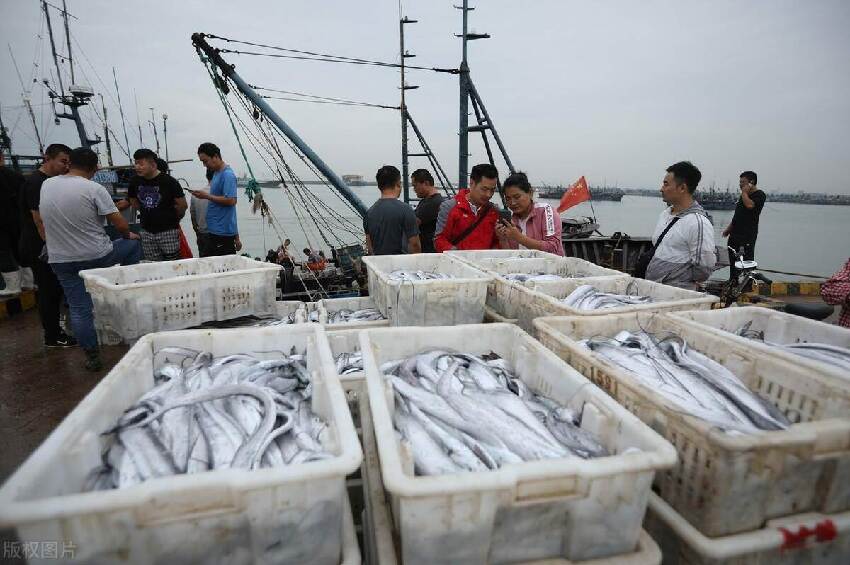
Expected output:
(152, 122)
(405, 176)
(106, 133)
(165, 134)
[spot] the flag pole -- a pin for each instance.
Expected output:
(592, 209)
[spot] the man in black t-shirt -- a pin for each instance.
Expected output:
(31, 244)
(744, 228)
(428, 207)
(161, 203)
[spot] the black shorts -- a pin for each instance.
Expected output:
(220, 245)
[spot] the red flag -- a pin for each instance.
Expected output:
(576, 193)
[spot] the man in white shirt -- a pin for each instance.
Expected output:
(73, 209)
(686, 254)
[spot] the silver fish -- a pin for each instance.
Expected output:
(412, 276)
(461, 412)
(205, 413)
(693, 382)
(823, 352)
(533, 277)
(346, 316)
(586, 297)
(349, 362)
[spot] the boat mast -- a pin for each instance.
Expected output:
(25, 97)
(152, 122)
(121, 110)
(68, 40)
(76, 96)
(405, 178)
(468, 93)
(200, 42)
(106, 133)
(463, 114)
(138, 119)
(165, 134)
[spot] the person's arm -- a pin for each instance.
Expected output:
(701, 248)
(180, 206)
(728, 230)
(411, 230)
(228, 190)
(106, 207)
(368, 244)
(120, 224)
(193, 214)
(39, 224)
(220, 200)
(445, 228)
(836, 290)
(414, 244)
(745, 196)
(237, 243)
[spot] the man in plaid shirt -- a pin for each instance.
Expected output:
(837, 291)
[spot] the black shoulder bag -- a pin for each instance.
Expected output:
(643, 260)
(482, 214)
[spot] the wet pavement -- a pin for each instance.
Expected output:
(38, 386)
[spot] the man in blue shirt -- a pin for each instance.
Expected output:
(221, 211)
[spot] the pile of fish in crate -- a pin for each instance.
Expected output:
(617, 421)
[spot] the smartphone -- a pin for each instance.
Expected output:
(505, 216)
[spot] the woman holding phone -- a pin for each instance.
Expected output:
(532, 225)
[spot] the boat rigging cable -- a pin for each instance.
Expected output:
(265, 141)
(322, 57)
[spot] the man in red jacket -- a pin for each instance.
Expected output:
(468, 221)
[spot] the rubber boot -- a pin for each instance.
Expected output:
(93, 362)
(27, 279)
(13, 283)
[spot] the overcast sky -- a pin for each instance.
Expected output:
(615, 91)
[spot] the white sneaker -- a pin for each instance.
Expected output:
(13, 283)
(27, 279)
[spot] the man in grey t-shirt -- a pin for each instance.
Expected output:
(73, 209)
(390, 224)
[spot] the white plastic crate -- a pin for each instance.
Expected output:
(311, 312)
(378, 541)
(459, 300)
(568, 507)
(326, 306)
(170, 295)
(778, 327)
(546, 301)
(350, 547)
(508, 298)
(729, 483)
(493, 317)
(290, 514)
(334, 343)
(570, 267)
(283, 308)
(473, 257)
(811, 539)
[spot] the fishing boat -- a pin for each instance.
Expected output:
(713, 199)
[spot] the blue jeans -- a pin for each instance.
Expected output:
(125, 252)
